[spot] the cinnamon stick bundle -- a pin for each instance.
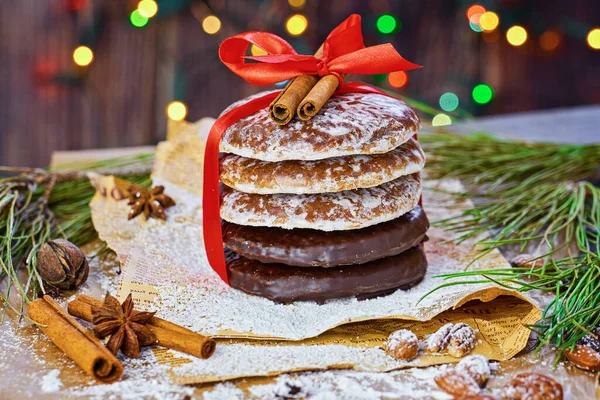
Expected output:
(285, 105)
(169, 335)
(75, 341)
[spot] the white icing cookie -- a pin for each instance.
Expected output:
(349, 124)
(349, 209)
(321, 176)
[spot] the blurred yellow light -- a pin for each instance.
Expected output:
(83, 56)
(211, 24)
(593, 39)
(489, 21)
(297, 3)
(516, 35)
(176, 110)
(147, 8)
(257, 51)
(441, 120)
(296, 24)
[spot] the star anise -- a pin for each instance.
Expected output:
(151, 203)
(125, 325)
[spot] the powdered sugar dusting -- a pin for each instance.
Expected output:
(51, 382)
(348, 124)
(350, 209)
(192, 295)
(322, 176)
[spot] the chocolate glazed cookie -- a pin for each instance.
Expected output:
(285, 284)
(312, 248)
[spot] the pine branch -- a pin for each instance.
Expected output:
(529, 193)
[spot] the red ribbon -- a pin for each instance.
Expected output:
(343, 53)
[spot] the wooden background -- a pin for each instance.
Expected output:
(120, 99)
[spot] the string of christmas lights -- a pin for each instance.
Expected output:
(481, 20)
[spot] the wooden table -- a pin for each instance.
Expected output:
(27, 358)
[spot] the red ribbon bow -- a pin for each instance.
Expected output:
(343, 53)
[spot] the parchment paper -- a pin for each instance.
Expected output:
(165, 268)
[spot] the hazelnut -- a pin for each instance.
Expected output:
(402, 345)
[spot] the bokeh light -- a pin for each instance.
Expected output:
(147, 8)
(550, 40)
(211, 24)
(137, 19)
(489, 21)
(379, 77)
(257, 51)
(282, 83)
(449, 101)
(474, 10)
(482, 93)
(176, 110)
(441, 120)
(398, 79)
(297, 3)
(83, 56)
(593, 39)
(474, 23)
(386, 23)
(296, 24)
(516, 35)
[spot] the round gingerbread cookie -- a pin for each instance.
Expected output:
(321, 176)
(349, 209)
(285, 284)
(349, 124)
(312, 248)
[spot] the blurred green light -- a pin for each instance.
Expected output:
(386, 23)
(379, 77)
(449, 102)
(441, 120)
(137, 19)
(475, 26)
(483, 94)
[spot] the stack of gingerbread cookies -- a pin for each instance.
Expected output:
(325, 208)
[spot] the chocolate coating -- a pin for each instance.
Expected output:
(313, 248)
(285, 284)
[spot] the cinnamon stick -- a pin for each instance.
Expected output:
(75, 341)
(169, 335)
(317, 97)
(284, 107)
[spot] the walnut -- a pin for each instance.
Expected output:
(532, 386)
(467, 378)
(402, 345)
(457, 339)
(478, 396)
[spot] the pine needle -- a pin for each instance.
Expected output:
(38, 205)
(526, 194)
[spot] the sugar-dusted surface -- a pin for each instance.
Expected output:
(170, 256)
(348, 124)
(321, 176)
(350, 209)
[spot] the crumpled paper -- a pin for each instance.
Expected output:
(164, 266)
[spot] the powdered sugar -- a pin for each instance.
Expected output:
(51, 381)
(350, 209)
(348, 124)
(329, 175)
